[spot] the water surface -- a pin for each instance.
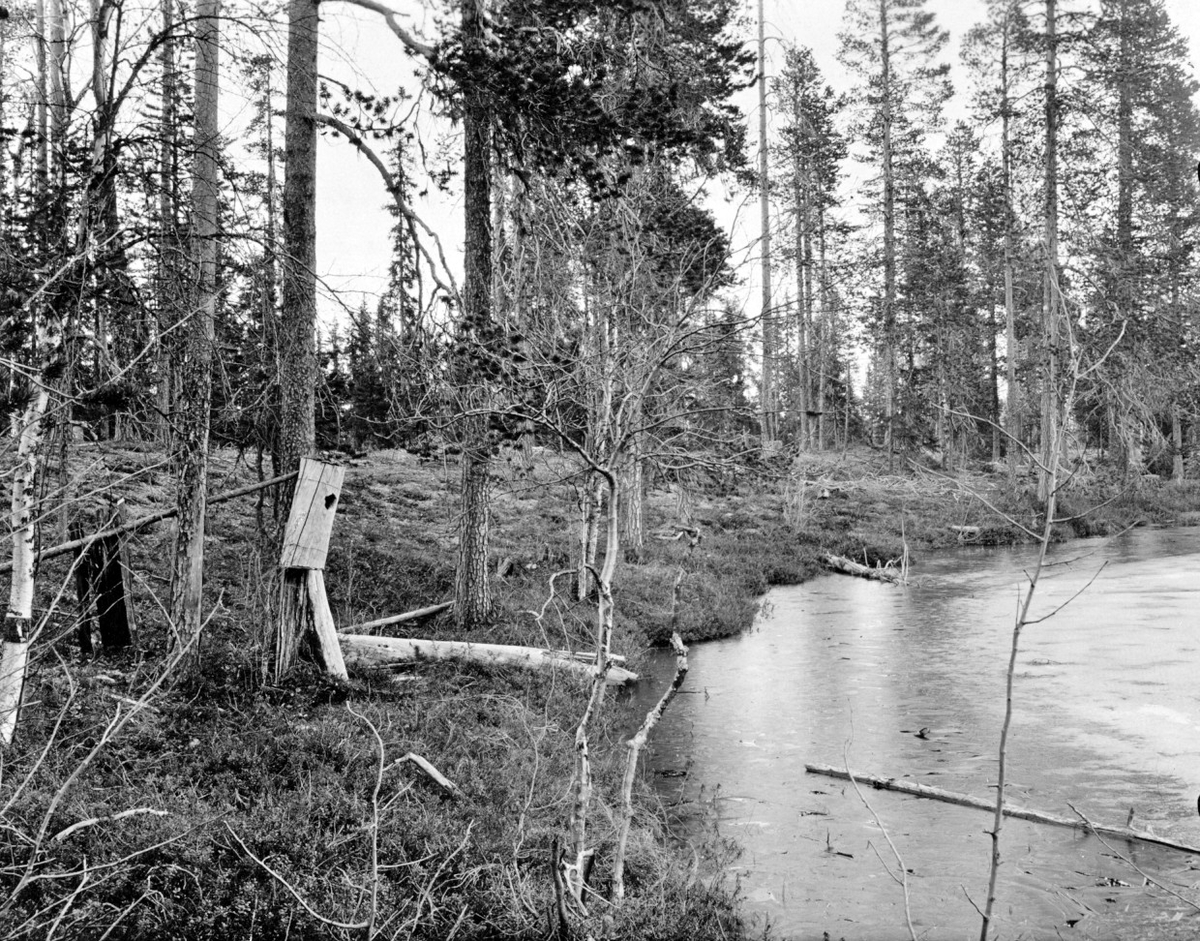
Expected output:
(844, 671)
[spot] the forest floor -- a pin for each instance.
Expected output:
(277, 812)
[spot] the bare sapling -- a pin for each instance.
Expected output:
(1051, 473)
(578, 855)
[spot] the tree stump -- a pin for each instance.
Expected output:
(102, 584)
(303, 605)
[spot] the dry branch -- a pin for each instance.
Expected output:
(107, 818)
(143, 521)
(635, 746)
(399, 618)
(434, 775)
(965, 800)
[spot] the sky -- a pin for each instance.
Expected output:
(353, 241)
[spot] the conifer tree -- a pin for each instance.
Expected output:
(811, 151)
(893, 47)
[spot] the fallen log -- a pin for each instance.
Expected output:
(850, 567)
(1021, 813)
(143, 521)
(363, 650)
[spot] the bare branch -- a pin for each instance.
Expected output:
(411, 42)
(397, 195)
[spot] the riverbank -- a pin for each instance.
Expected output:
(250, 799)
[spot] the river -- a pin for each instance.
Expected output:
(844, 671)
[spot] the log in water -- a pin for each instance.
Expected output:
(1021, 813)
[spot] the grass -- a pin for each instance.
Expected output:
(304, 778)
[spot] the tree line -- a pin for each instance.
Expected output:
(1045, 238)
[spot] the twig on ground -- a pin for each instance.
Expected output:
(107, 818)
(434, 775)
(332, 923)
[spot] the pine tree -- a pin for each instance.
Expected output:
(997, 56)
(893, 47)
(191, 449)
(1140, 64)
(812, 151)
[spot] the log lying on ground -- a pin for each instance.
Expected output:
(849, 567)
(387, 651)
(1021, 813)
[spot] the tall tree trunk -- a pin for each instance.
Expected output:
(1051, 304)
(940, 422)
(297, 332)
(1012, 416)
(168, 236)
(270, 410)
(298, 365)
(115, 294)
(826, 339)
(191, 448)
(5, 204)
(994, 380)
(472, 588)
(42, 106)
(1177, 468)
(1124, 290)
(889, 233)
(1124, 153)
(60, 306)
(803, 195)
(768, 404)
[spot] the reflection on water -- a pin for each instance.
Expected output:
(846, 671)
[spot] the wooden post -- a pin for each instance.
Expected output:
(304, 606)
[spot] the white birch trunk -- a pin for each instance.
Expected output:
(18, 619)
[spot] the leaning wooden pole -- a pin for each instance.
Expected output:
(142, 522)
(914, 789)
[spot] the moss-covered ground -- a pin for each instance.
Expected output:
(275, 812)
